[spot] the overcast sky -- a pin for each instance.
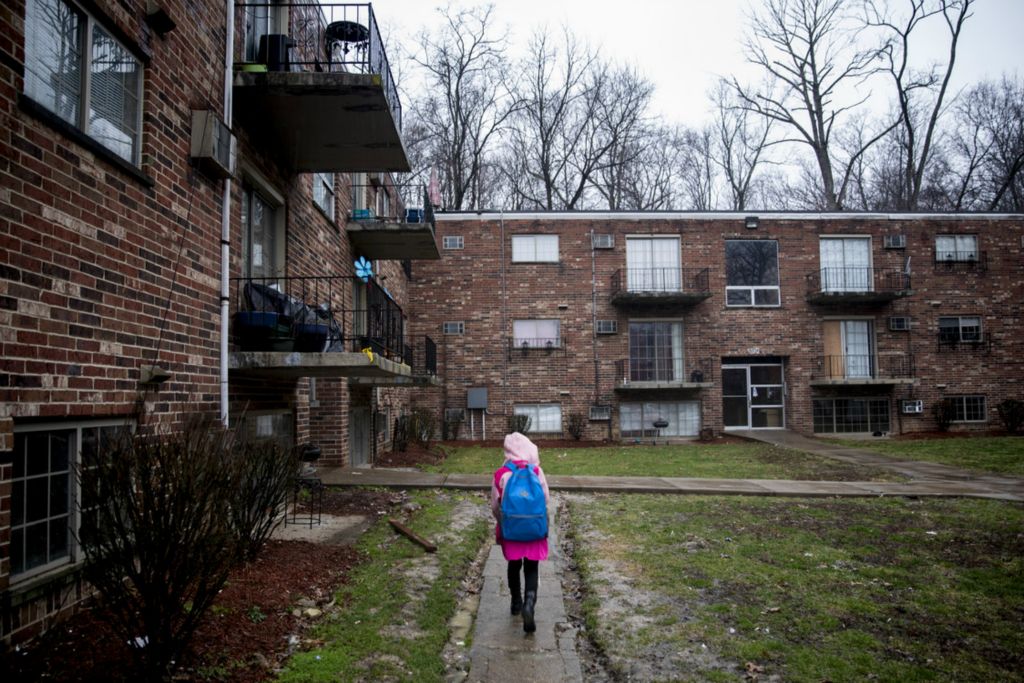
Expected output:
(684, 45)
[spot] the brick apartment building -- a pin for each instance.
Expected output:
(673, 325)
(179, 183)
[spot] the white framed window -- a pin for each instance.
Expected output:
(960, 328)
(655, 351)
(537, 333)
(956, 248)
(846, 264)
(323, 193)
(269, 425)
(851, 415)
(45, 493)
(653, 264)
(262, 17)
(752, 273)
(454, 327)
(262, 238)
(359, 187)
(544, 417)
(534, 248)
(677, 418)
(968, 408)
(452, 242)
(76, 69)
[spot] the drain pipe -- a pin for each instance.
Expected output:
(225, 215)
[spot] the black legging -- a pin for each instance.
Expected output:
(530, 569)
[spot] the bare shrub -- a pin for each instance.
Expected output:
(577, 425)
(1011, 412)
(943, 412)
(519, 423)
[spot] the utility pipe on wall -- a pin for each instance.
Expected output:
(225, 215)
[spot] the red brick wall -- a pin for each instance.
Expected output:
(480, 286)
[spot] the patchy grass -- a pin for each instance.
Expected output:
(734, 461)
(393, 623)
(806, 590)
(1001, 454)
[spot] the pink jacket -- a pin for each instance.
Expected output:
(518, 449)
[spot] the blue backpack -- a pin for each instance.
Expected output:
(524, 511)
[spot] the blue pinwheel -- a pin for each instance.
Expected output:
(364, 269)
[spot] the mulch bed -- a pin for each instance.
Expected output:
(240, 640)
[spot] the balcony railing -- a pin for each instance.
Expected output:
(320, 37)
(421, 355)
(948, 341)
(305, 314)
(856, 284)
(662, 371)
(407, 203)
(864, 367)
(961, 261)
(542, 346)
(660, 285)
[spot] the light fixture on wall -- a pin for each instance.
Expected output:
(158, 18)
(750, 222)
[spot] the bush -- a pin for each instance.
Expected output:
(450, 428)
(164, 519)
(943, 412)
(519, 423)
(1011, 412)
(419, 426)
(577, 425)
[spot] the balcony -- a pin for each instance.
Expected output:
(421, 356)
(646, 374)
(659, 286)
(952, 341)
(864, 370)
(292, 327)
(857, 285)
(317, 92)
(403, 230)
(961, 261)
(537, 348)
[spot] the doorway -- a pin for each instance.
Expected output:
(753, 396)
(359, 436)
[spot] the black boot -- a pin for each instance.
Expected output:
(528, 605)
(517, 603)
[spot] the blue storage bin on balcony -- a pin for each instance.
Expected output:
(311, 337)
(414, 215)
(263, 331)
(362, 214)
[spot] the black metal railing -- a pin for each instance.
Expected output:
(665, 370)
(306, 313)
(660, 281)
(542, 345)
(406, 203)
(865, 366)
(947, 261)
(954, 340)
(857, 280)
(421, 356)
(312, 36)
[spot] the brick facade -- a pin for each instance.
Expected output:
(481, 286)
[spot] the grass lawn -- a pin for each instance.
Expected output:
(806, 590)
(393, 623)
(1002, 454)
(734, 461)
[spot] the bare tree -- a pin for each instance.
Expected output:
(806, 50)
(920, 94)
(465, 105)
(740, 142)
(697, 170)
(644, 174)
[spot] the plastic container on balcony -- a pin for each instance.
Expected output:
(263, 331)
(311, 337)
(414, 215)
(362, 214)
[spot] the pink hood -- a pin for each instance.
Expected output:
(518, 447)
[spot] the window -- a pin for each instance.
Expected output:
(956, 329)
(638, 419)
(535, 249)
(752, 273)
(850, 415)
(968, 408)
(655, 351)
(276, 425)
(383, 202)
(262, 17)
(359, 187)
(455, 327)
(955, 248)
(652, 264)
(544, 417)
(845, 264)
(261, 248)
(77, 70)
(43, 493)
(537, 333)
(452, 242)
(323, 193)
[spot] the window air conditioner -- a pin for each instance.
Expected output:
(607, 326)
(899, 323)
(598, 413)
(912, 407)
(604, 241)
(895, 241)
(213, 145)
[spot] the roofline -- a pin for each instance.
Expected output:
(716, 215)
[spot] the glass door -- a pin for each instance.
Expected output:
(753, 396)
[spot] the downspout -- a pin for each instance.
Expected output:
(225, 215)
(504, 319)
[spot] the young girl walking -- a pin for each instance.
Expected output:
(521, 555)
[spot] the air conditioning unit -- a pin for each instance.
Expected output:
(213, 145)
(607, 326)
(604, 241)
(455, 414)
(895, 241)
(912, 407)
(899, 323)
(600, 413)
